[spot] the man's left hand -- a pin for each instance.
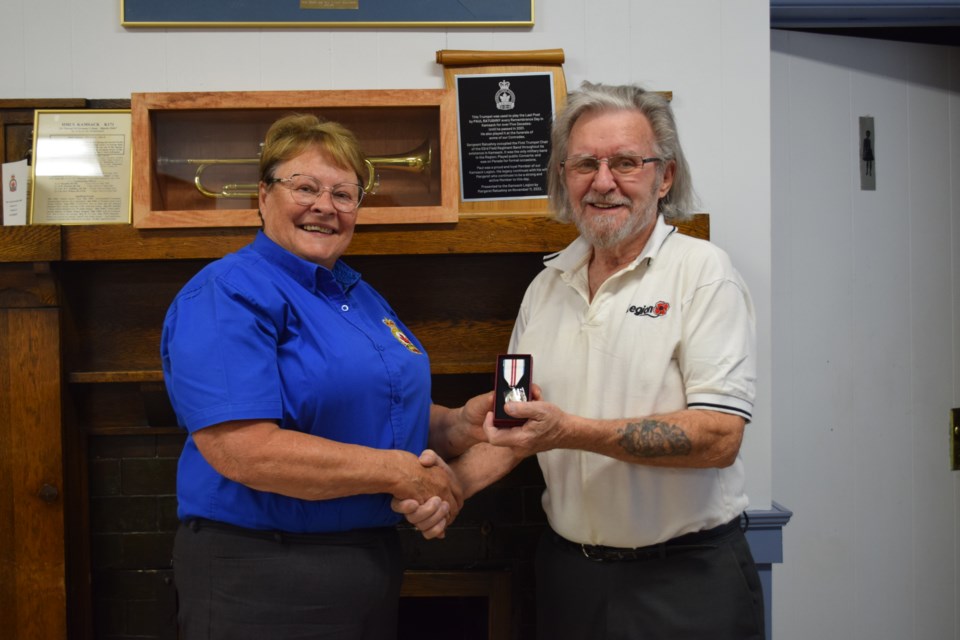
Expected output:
(543, 430)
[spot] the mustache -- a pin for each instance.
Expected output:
(615, 200)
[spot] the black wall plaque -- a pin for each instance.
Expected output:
(504, 122)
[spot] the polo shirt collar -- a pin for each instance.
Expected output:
(578, 252)
(311, 276)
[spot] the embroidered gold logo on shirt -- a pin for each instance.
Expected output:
(401, 338)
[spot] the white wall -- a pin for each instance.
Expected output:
(866, 331)
(867, 325)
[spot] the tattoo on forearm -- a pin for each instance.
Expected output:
(654, 439)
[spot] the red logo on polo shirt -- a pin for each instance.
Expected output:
(650, 310)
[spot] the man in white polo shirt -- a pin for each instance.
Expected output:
(643, 347)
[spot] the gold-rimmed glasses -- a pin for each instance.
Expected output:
(305, 190)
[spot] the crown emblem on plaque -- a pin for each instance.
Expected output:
(505, 98)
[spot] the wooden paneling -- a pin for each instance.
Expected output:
(32, 559)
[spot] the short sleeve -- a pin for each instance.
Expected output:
(219, 351)
(718, 347)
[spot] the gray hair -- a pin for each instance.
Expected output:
(678, 204)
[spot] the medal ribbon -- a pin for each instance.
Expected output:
(513, 370)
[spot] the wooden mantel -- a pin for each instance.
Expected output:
(80, 314)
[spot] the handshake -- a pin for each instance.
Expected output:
(469, 452)
(432, 516)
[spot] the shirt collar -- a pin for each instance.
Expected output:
(309, 275)
(578, 252)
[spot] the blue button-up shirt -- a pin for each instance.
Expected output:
(263, 334)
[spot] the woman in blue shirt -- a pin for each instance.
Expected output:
(307, 403)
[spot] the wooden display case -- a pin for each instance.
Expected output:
(195, 155)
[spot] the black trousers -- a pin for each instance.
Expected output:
(238, 584)
(704, 589)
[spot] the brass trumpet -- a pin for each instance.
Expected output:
(416, 160)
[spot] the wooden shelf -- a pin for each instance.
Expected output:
(101, 377)
(471, 235)
(30, 243)
(514, 234)
(439, 367)
(136, 431)
(106, 377)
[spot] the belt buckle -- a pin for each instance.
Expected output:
(586, 550)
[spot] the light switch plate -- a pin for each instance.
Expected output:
(955, 439)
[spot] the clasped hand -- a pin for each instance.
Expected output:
(433, 515)
(434, 486)
(540, 432)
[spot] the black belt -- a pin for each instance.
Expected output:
(680, 544)
(353, 536)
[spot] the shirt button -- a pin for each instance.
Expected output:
(396, 399)
(344, 307)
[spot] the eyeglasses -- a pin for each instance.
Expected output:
(305, 190)
(622, 164)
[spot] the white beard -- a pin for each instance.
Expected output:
(605, 231)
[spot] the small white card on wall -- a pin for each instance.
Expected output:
(16, 195)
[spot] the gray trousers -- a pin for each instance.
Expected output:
(702, 589)
(237, 584)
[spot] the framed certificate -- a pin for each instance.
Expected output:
(81, 167)
(326, 13)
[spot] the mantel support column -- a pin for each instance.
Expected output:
(32, 555)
